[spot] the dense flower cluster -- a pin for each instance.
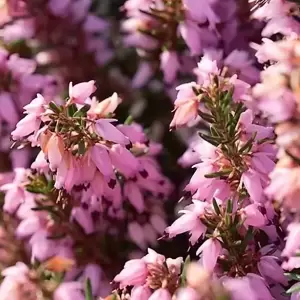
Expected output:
(90, 177)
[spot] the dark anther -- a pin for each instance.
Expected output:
(112, 183)
(144, 173)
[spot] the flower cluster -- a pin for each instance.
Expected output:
(174, 32)
(88, 173)
(19, 83)
(90, 176)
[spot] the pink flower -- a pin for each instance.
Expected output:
(285, 186)
(143, 75)
(54, 151)
(103, 108)
(187, 294)
(296, 295)
(170, 65)
(15, 192)
(8, 109)
(140, 293)
(259, 286)
(202, 11)
(253, 217)
(16, 282)
(210, 251)
(269, 268)
(134, 132)
(93, 272)
(137, 234)
(270, 50)
(239, 286)
(83, 217)
(134, 195)
(191, 34)
(32, 121)
(153, 257)
(253, 185)
(109, 132)
(134, 273)
(124, 160)
(249, 128)
(161, 294)
(278, 104)
(80, 92)
(20, 66)
(66, 172)
(186, 105)
(206, 68)
(189, 222)
(59, 8)
(101, 158)
(292, 244)
(26, 126)
(241, 88)
(69, 291)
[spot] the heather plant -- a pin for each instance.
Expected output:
(149, 150)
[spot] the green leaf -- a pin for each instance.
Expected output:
(216, 207)
(82, 111)
(214, 132)
(72, 109)
(43, 207)
(54, 107)
(218, 174)
(229, 207)
(196, 91)
(37, 189)
(226, 98)
(159, 16)
(248, 146)
(293, 289)
(249, 236)
(81, 147)
(88, 290)
(129, 120)
(292, 276)
(183, 274)
(212, 140)
(206, 117)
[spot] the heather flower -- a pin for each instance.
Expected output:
(80, 92)
(210, 251)
(15, 193)
(253, 216)
(186, 105)
(239, 286)
(109, 132)
(295, 295)
(187, 294)
(141, 292)
(161, 294)
(68, 291)
(169, 65)
(284, 185)
(134, 273)
(292, 243)
(32, 121)
(17, 284)
(103, 108)
(269, 268)
(189, 222)
(259, 286)
(202, 12)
